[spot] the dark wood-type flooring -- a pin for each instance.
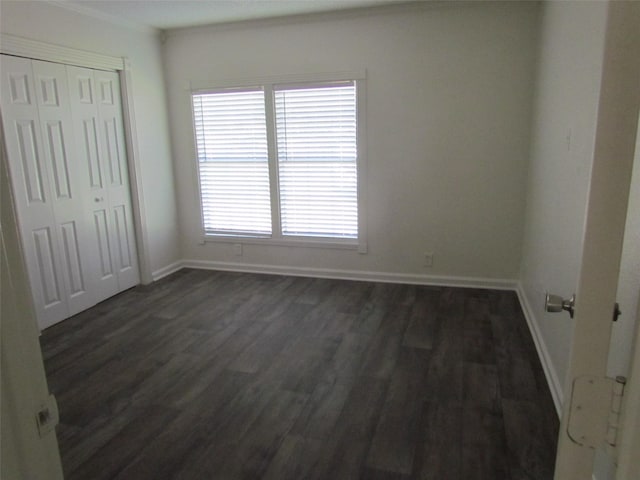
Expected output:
(212, 375)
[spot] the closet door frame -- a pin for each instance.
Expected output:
(36, 50)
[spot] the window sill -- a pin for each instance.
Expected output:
(288, 242)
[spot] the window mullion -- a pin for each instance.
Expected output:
(272, 149)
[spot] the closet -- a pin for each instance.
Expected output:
(64, 138)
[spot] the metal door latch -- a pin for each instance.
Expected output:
(616, 312)
(47, 417)
(555, 303)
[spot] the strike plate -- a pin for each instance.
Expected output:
(47, 417)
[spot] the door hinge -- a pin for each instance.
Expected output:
(616, 409)
(47, 417)
(594, 413)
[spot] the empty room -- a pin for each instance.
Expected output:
(295, 239)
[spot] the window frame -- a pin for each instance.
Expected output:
(230, 232)
(268, 85)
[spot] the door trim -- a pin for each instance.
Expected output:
(37, 50)
(25, 47)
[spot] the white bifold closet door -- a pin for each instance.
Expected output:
(97, 119)
(64, 137)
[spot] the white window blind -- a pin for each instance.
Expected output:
(231, 140)
(317, 160)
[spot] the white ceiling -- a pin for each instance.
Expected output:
(166, 14)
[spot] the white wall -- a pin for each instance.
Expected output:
(448, 120)
(50, 23)
(562, 145)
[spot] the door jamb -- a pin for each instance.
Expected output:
(628, 459)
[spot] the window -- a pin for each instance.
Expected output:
(279, 161)
(231, 138)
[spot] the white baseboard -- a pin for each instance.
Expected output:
(385, 277)
(168, 270)
(543, 353)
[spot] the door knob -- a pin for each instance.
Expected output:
(555, 303)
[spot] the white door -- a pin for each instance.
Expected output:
(604, 229)
(82, 95)
(65, 141)
(116, 175)
(43, 169)
(26, 452)
(97, 119)
(66, 174)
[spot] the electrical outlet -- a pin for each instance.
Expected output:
(428, 259)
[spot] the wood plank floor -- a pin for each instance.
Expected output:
(212, 375)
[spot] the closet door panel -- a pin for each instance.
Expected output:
(48, 273)
(67, 161)
(31, 161)
(116, 173)
(125, 248)
(90, 149)
(56, 149)
(100, 221)
(84, 97)
(112, 151)
(71, 244)
(66, 178)
(31, 183)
